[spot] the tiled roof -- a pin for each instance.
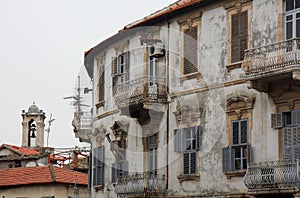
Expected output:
(40, 175)
(178, 5)
(21, 150)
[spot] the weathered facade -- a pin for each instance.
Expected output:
(198, 99)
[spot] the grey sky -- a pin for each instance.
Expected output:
(41, 48)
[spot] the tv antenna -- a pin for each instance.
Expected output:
(48, 129)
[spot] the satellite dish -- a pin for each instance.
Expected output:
(31, 164)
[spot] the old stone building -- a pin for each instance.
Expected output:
(199, 99)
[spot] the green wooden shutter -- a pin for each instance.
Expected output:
(114, 74)
(193, 164)
(276, 120)
(190, 50)
(95, 153)
(186, 163)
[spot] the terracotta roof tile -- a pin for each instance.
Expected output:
(40, 175)
(21, 150)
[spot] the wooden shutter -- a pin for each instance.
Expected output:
(114, 74)
(249, 153)
(244, 131)
(287, 143)
(190, 49)
(235, 132)
(114, 145)
(193, 164)
(276, 120)
(95, 151)
(296, 117)
(101, 85)
(127, 59)
(239, 35)
(186, 163)
(296, 141)
(228, 159)
(199, 137)
(99, 166)
(179, 140)
(123, 167)
(90, 170)
(114, 172)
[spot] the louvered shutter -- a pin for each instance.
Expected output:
(127, 56)
(190, 50)
(186, 163)
(199, 137)
(249, 153)
(276, 120)
(287, 143)
(244, 131)
(114, 145)
(296, 117)
(235, 132)
(101, 85)
(99, 166)
(114, 73)
(179, 140)
(193, 164)
(228, 159)
(123, 166)
(90, 170)
(95, 151)
(239, 35)
(114, 172)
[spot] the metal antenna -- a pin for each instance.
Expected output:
(48, 129)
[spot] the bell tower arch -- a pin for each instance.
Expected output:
(33, 127)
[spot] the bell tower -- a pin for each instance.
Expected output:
(33, 127)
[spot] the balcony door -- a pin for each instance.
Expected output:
(152, 75)
(292, 19)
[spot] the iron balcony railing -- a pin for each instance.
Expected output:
(140, 185)
(278, 57)
(272, 175)
(143, 89)
(83, 121)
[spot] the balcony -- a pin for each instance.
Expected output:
(272, 176)
(140, 185)
(145, 89)
(273, 68)
(82, 123)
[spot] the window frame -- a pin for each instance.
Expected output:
(293, 12)
(231, 10)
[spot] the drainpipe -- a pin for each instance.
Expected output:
(167, 105)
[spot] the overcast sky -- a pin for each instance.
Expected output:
(41, 54)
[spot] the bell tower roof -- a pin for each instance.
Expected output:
(33, 108)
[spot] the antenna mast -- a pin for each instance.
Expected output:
(48, 129)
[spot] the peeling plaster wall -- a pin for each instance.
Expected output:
(211, 96)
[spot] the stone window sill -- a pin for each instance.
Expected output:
(99, 187)
(233, 66)
(238, 173)
(190, 76)
(194, 177)
(100, 104)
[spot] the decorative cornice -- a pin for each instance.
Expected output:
(108, 113)
(236, 4)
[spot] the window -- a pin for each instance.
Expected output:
(239, 35)
(98, 169)
(152, 156)
(101, 82)
(190, 50)
(188, 141)
(120, 167)
(120, 69)
(292, 19)
(236, 156)
(290, 124)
